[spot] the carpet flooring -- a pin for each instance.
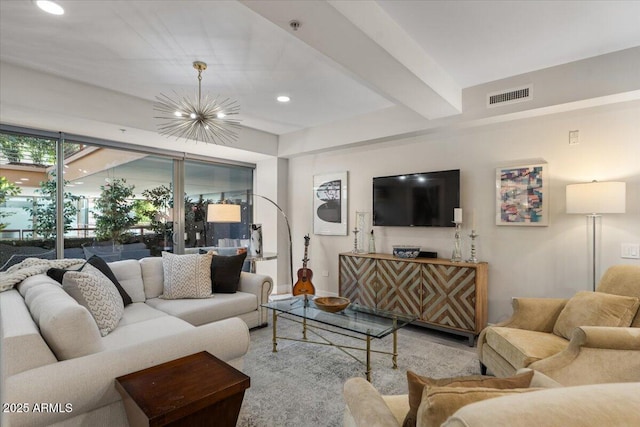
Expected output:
(301, 384)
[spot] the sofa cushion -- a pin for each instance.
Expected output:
(418, 383)
(143, 331)
(129, 274)
(66, 326)
(186, 276)
(439, 403)
(152, 276)
(23, 347)
(521, 347)
(98, 294)
(595, 309)
(139, 312)
(201, 311)
(225, 273)
(595, 405)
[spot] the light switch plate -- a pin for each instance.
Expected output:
(630, 250)
(574, 137)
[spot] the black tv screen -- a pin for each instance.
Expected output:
(416, 200)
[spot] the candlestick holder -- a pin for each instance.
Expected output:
(473, 258)
(456, 255)
(355, 241)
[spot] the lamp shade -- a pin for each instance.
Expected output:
(223, 213)
(596, 198)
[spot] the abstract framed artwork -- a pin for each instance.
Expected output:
(330, 204)
(522, 195)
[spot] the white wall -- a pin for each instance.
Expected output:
(548, 261)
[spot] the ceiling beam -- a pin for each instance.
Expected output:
(362, 39)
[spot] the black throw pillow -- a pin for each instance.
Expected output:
(58, 273)
(104, 268)
(225, 273)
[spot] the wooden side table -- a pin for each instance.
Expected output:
(197, 390)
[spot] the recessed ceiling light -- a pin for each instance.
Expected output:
(283, 98)
(50, 7)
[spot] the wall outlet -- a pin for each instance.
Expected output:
(325, 273)
(630, 250)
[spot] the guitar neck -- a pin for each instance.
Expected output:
(305, 259)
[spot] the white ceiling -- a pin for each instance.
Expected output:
(144, 48)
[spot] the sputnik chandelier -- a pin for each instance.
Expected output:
(203, 119)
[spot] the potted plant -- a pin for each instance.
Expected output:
(114, 212)
(7, 189)
(44, 209)
(160, 212)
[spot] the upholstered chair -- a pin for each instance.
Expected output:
(594, 337)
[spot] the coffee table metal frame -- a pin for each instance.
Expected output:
(371, 323)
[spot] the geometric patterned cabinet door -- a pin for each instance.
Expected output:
(402, 286)
(445, 295)
(357, 280)
(449, 297)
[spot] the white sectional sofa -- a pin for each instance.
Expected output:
(52, 352)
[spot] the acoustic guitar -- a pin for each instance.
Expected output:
(303, 285)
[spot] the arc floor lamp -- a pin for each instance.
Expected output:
(226, 212)
(594, 199)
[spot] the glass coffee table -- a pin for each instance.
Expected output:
(357, 322)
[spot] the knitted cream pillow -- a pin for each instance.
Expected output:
(186, 276)
(93, 290)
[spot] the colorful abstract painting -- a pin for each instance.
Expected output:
(522, 194)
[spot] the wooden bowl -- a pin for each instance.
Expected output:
(331, 304)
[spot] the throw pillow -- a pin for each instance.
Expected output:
(439, 403)
(225, 273)
(595, 309)
(98, 294)
(57, 274)
(186, 276)
(102, 265)
(417, 384)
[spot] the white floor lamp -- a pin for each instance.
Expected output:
(593, 199)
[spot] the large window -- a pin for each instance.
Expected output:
(118, 202)
(207, 184)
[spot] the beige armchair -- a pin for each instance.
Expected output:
(540, 335)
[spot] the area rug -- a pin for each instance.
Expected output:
(301, 384)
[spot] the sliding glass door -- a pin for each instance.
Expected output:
(206, 185)
(118, 202)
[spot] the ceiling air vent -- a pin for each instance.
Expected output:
(510, 96)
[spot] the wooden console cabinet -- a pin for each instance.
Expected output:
(444, 295)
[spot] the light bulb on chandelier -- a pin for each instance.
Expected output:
(202, 119)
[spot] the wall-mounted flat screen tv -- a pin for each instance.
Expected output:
(416, 200)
